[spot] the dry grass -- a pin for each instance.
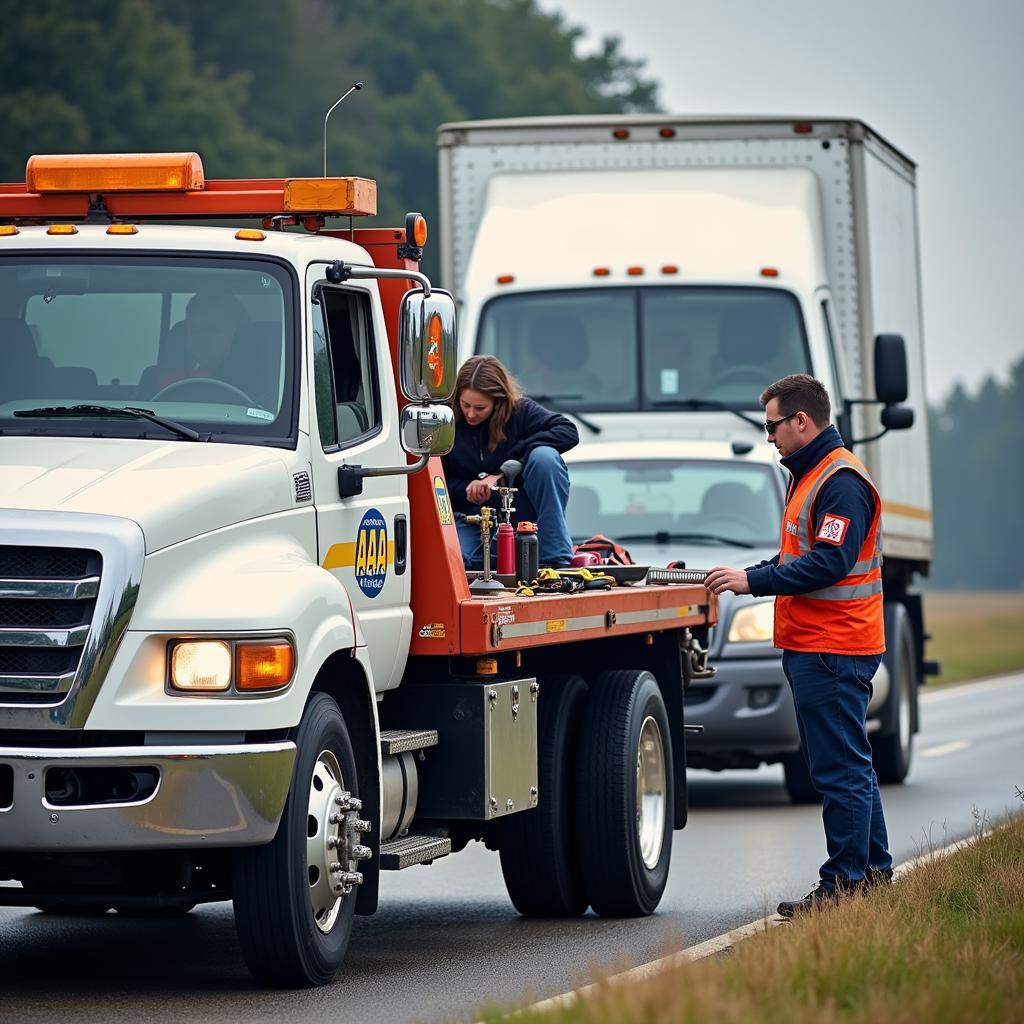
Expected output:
(944, 945)
(975, 633)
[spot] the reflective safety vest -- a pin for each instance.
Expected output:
(845, 618)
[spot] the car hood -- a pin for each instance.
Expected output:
(173, 490)
(697, 556)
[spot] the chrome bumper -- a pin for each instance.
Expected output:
(204, 797)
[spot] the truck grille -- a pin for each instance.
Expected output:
(47, 601)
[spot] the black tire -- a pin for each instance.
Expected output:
(281, 941)
(798, 779)
(539, 854)
(619, 881)
(893, 748)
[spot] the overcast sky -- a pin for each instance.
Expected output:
(943, 80)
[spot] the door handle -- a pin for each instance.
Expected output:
(401, 542)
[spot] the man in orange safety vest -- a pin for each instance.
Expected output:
(827, 582)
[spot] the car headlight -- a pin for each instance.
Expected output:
(754, 623)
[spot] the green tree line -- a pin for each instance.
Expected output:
(247, 84)
(978, 485)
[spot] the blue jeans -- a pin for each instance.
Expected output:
(831, 694)
(542, 498)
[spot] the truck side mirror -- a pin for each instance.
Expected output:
(897, 417)
(427, 429)
(426, 339)
(890, 369)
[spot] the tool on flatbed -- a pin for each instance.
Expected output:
(486, 583)
(510, 470)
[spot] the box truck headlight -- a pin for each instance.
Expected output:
(201, 665)
(754, 623)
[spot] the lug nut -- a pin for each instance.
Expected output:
(335, 866)
(332, 842)
(360, 826)
(360, 852)
(352, 878)
(336, 819)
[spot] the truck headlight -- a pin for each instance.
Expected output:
(201, 665)
(754, 623)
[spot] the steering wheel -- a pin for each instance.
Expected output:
(203, 382)
(735, 374)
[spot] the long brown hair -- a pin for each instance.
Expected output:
(490, 377)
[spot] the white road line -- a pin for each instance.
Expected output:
(719, 944)
(969, 689)
(944, 748)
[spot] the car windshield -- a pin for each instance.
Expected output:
(204, 343)
(698, 501)
(620, 348)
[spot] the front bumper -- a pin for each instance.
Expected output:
(205, 796)
(737, 734)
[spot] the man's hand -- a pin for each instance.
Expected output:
(479, 491)
(720, 579)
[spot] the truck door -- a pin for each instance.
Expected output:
(362, 539)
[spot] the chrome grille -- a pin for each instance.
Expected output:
(47, 601)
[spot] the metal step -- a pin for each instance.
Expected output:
(403, 853)
(399, 741)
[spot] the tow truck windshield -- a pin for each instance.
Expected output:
(203, 347)
(663, 500)
(621, 348)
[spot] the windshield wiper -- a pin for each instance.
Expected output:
(666, 536)
(115, 410)
(706, 403)
(555, 402)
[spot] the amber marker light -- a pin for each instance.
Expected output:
(418, 235)
(635, 271)
(601, 272)
(250, 235)
(201, 666)
(670, 268)
(122, 229)
(769, 272)
(263, 664)
(505, 278)
(7, 229)
(486, 666)
(115, 172)
(62, 229)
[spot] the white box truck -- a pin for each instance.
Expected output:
(650, 275)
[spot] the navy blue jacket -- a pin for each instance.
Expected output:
(845, 493)
(530, 426)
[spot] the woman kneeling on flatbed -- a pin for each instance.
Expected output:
(494, 422)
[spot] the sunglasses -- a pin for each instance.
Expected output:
(770, 425)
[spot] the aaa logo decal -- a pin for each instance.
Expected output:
(372, 553)
(444, 506)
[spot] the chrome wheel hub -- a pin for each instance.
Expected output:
(651, 788)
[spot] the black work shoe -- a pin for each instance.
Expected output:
(876, 878)
(816, 899)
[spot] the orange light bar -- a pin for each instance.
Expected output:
(634, 271)
(62, 229)
(8, 229)
(601, 271)
(357, 196)
(670, 268)
(115, 172)
(263, 664)
(249, 235)
(769, 272)
(122, 229)
(505, 278)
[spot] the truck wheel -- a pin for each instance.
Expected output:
(293, 924)
(625, 798)
(798, 780)
(539, 856)
(893, 749)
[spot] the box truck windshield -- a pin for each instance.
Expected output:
(625, 348)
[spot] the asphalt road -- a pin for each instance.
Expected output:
(447, 941)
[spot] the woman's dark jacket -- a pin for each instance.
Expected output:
(530, 426)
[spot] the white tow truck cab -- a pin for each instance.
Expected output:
(651, 275)
(239, 655)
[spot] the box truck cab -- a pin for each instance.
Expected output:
(652, 275)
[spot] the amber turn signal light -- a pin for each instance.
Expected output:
(263, 664)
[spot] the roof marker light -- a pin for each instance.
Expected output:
(634, 271)
(62, 229)
(8, 229)
(601, 272)
(249, 235)
(667, 133)
(122, 229)
(803, 128)
(505, 278)
(769, 272)
(620, 133)
(670, 268)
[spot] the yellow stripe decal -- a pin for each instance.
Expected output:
(343, 556)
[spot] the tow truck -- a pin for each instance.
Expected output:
(240, 656)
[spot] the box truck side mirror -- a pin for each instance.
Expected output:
(890, 369)
(897, 417)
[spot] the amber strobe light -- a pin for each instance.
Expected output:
(263, 664)
(115, 172)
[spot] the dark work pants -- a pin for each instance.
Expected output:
(831, 693)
